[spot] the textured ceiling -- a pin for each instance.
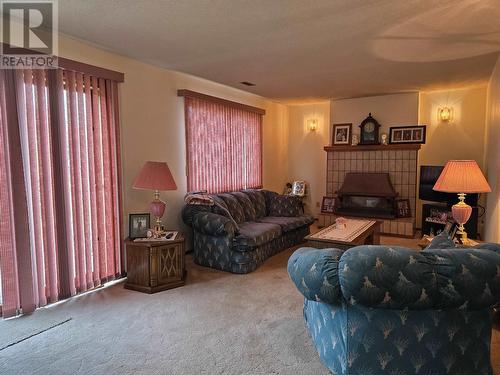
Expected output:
(299, 49)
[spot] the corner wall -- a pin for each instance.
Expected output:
(492, 158)
(306, 157)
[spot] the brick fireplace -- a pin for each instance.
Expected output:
(399, 161)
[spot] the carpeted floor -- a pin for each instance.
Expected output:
(219, 323)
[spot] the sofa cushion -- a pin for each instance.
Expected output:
(288, 223)
(268, 197)
(285, 205)
(246, 203)
(234, 207)
(259, 202)
(254, 234)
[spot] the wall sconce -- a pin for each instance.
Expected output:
(445, 114)
(312, 124)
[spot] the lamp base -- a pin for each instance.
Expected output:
(157, 207)
(461, 212)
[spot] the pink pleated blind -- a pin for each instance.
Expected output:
(224, 146)
(69, 157)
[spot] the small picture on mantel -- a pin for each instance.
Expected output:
(341, 134)
(407, 134)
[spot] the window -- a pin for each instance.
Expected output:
(60, 161)
(224, 144)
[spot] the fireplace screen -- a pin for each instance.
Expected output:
(366, 195)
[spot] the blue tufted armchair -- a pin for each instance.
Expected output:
(390, 310)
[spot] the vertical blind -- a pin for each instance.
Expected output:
(60, 189)
(224, 146)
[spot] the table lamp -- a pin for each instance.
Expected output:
(462, 177)
(156, 176)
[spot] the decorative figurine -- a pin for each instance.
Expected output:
(383, 137)
(341, 223)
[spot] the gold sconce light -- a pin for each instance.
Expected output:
(445, 114)
(312, 124)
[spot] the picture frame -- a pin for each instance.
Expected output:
(407, 134)
(342, 134)
(328, 205)
(453, 231)
(449, 226)
(299, 188)
(403, 208)
(138, 225)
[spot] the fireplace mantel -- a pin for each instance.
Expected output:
(398, 146)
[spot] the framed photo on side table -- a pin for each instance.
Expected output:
(341, 134)
(403, 208)
(328, 205)
(299, 188)
(407, 134)
(138, 225)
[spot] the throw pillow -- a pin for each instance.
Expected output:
(234, 207)
(259, 202)
(220, 208)
(246, 203)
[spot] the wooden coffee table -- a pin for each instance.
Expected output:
(358, 232)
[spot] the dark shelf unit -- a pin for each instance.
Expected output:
(470, 226)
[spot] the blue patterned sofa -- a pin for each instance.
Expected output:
(244, 228)
(389, 310)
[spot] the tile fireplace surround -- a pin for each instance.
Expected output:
(400, 161)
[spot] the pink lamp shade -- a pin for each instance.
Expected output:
(155, 175)
(462, 176)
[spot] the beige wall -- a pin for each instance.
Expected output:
(306, 157)
(388, 110)
(152, 124)
(463, 138)
(492, 159)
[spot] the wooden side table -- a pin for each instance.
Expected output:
(154, 266)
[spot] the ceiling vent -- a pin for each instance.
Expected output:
(246, 83)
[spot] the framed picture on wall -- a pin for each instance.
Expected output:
(138, 225)
(328, 205)
(407, 134)
(341, 134)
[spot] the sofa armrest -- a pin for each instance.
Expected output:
(315, 273)
(213, 224)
